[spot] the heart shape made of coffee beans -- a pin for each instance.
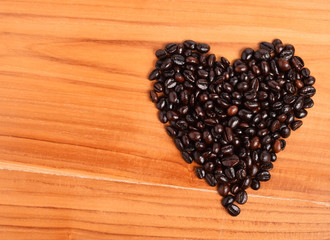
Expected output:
(231, 119)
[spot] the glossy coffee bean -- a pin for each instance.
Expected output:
(255, 184)
(263, 176)
(227, 200)
(233, 210)
(200, 173)
(241, 197)
(210, 179)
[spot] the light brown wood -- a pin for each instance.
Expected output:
(82, 153)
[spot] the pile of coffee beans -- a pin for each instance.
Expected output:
(231, 119)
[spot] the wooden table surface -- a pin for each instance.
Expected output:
(82, 153)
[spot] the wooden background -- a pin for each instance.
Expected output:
(82, 153)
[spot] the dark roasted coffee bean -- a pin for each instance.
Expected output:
(162, 116)
(297, 62)
(308, 103)
(171, 131)
(209, 166)
(299, 103)
(202, 84)
(229, 199)
(296, 124)
(178, 59)
(203, 47)
(200, 173)
(263, 176)
(241, 174)
(301, 113)
(230, 173)
(307, 91)
(267, 46)
(223, 189)
(267, 166)
(265, 157)
(167, 64)
(275, 125)
(154, 74)
(286, 54)
(190, 44)
(230, 161)
(285, 132)
(172, 116)
(161, 54)
(241, 197)
(153, 96)
(247, 54)
(233, 210)
(186, 157)
(228, 134)
(178, 143)
(283, 64)
(255, 184)
(234, 188)
(171, 47)
(309, 81)
(210, 179)
(283, 144)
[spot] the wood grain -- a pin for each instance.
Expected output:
(82, 153)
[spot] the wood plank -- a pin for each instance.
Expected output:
(74, 101)
(78, 208)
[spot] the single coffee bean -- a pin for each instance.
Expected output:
(263, 176)
(241, 197)
(171, 47)
(229, 199)
(223, 189)
(255, 184)
(186, 157)
(200, 173)
(230, 161)
(265, 157)
(296, 124)
(233, 210)
(210, 179)
(277, 146)
(203, 47)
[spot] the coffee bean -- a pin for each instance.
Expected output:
(223, 189)
(241, 197)
(265, 157)
(283, 64)
(186, 157)
(233, 210)
(227, 200)
(296, 124)
(255, 184)
(200, 173)
(171, 47)
(263, 176)
(230, 161)
(203, 47)
(210, 179)
(190, 44)
(161, 54)
(202, 84)
(154, 74)
(178, 59)
(277, 146)
(267, 46)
